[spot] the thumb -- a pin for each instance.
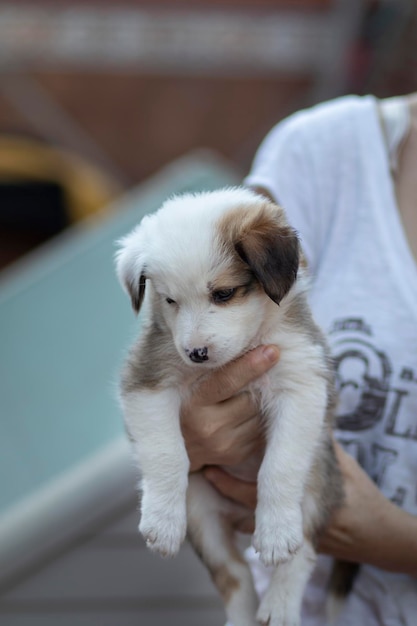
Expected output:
(233, 377)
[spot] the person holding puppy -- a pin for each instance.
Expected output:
(345, 172)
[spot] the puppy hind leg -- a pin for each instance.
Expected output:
(213, 540)
(281, 604)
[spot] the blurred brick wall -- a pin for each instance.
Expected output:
(140, 118)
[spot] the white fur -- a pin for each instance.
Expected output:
(179, 250)
(163, 520)
(281, 602)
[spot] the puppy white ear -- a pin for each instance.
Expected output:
(130, 267)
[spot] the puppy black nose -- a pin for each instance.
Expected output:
(198, 355)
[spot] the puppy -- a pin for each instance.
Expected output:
(217, 274)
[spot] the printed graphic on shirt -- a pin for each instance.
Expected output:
(363, 379)
(372, 400)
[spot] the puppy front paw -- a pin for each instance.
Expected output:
(278, 536)
(164, 530)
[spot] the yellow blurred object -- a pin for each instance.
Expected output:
(87, 189)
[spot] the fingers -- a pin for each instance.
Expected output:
(219, 424)
(236, 375)
(347, 464)
(228, 443)
(239, 491)
(237, 410)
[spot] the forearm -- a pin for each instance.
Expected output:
(398, 553)
(369, 528)
(389, 541)
(221, 426)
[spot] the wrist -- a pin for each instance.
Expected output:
(369, 528)
(398, 552)
(388, 542)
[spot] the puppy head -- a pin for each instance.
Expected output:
(215, 263)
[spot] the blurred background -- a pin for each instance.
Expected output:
(126, 87)
(105, 108)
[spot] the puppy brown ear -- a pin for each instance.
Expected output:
(271, 249)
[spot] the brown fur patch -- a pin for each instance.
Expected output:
(225, 582)
(261, 237)
(261, 191)
(237, 276)
(303, 261)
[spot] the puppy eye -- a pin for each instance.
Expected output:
(223, 295)
(170, 301)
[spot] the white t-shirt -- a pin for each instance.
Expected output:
(329, 167)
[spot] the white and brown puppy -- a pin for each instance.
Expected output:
(223, 275)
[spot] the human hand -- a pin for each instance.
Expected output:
(220, 422)
(367, 528)
(241, 492)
